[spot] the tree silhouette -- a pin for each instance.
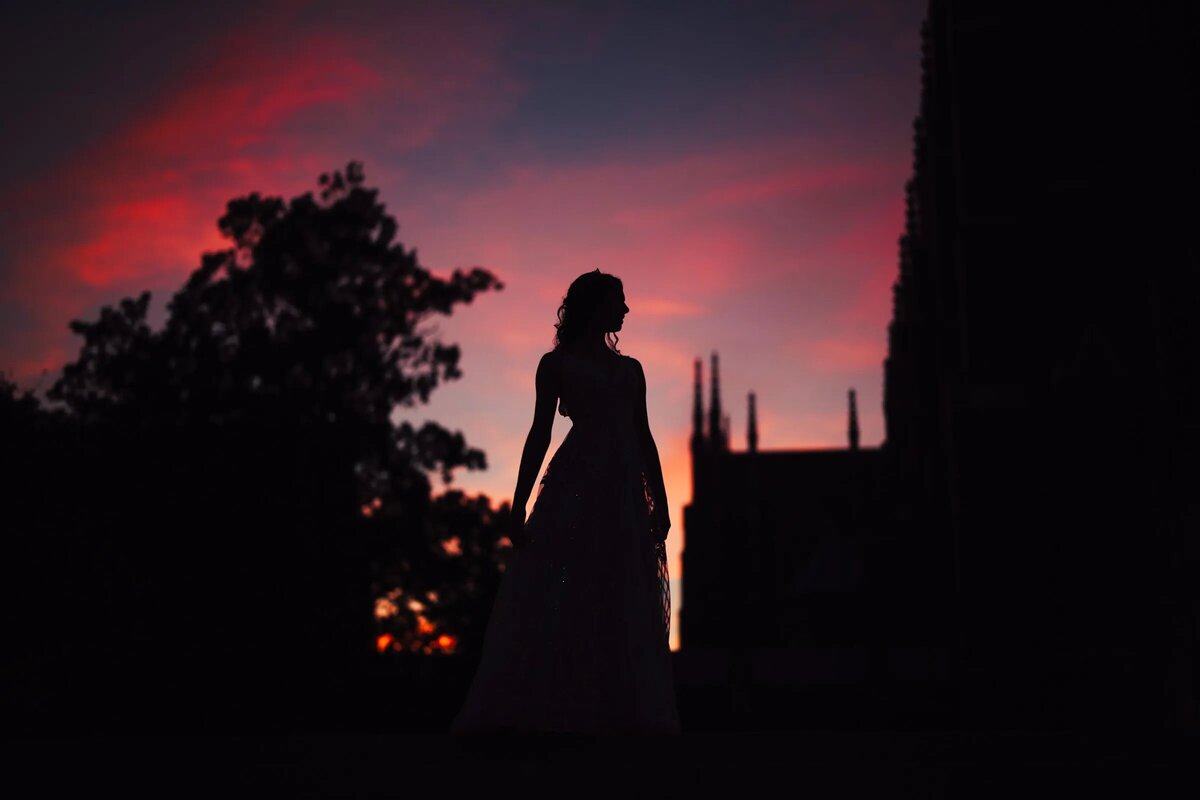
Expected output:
(244, 459)
(315, 313)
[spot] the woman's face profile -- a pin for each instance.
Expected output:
(612, 313)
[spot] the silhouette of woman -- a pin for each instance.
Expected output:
(577, 641)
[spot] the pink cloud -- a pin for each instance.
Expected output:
(874, 246)
(686, 229)
(665, 307)
(842, 355)
(270, 108)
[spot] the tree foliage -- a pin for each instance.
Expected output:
(314, 313)
(251, 445)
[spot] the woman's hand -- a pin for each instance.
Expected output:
(661, 520)
(515, 528)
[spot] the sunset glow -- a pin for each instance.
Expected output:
(742, 174)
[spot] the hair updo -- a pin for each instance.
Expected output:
(584, 296)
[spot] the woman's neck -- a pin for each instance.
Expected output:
(593, 346)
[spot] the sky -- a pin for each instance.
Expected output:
(739, 165)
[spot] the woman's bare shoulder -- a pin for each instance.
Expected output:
(548, 376)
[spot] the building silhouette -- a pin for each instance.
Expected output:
(1032, 514)
(1040, 387)
(768, 531)
(782, 619)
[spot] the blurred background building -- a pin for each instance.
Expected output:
(1024, 544)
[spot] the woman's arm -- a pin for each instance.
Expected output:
(538, 440)
(654, 473)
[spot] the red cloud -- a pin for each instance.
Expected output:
(269, 109)
(686, 228)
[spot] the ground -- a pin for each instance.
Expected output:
(876, 764)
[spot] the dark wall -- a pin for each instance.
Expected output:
(1047, 312)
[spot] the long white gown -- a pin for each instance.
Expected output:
(577, 641)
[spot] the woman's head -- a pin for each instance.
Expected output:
(594, 305)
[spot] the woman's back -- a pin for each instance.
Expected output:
(577, 640)
(578, 636)
(595, 388)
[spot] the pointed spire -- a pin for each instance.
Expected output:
(697, 406)
(715, 433)
(752, 427)
(853, 422)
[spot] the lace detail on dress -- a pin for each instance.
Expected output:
(664, 590)
(660, 553)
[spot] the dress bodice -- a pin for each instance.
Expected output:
(597, 393)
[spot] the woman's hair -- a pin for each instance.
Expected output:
(584, 296)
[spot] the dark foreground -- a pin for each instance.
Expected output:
(873, 764)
